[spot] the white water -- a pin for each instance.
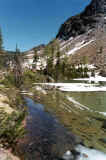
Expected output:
(91, 153)
(85, 154)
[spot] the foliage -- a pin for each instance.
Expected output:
(9, 80)
(30, 77)
(49, 52)
(61, 69)
(36, 58)
(11, 128)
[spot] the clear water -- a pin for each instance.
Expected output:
(46, 138)
(94, 100)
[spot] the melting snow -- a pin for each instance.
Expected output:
(78, 46)
(90, 154)
(76, 87)
(97, 78)
(81, 87)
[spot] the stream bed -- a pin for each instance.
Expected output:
(47, 139)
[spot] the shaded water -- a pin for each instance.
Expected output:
(46, 138)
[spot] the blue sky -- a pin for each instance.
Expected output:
(33, 22)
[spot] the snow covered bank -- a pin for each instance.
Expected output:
(97, 78)
(90, 154)
(76, 87)
(81, 87)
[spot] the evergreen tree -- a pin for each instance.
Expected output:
(49, 52)
(63, 68)
(58, 63)
(36, 58)
(86, 71)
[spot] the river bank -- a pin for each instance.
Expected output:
(12, 113)
(46, 138)
(44, 124)
(88, 125)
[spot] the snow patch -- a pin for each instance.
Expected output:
(97, 78)
(76, 87)
(103, 113)
(82, 87)
(78, 47)
(89, 154)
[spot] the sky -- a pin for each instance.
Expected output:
(29, 23)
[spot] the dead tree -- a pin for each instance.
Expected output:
(17, 69)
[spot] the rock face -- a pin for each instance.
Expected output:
(92, 16)
(6, 155)
(4, 104)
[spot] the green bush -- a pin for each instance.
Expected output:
(11, 128)
(9, 80)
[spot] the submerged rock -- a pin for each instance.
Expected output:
(103, 140)
(104, 124)
(6, 155)
(68, 156)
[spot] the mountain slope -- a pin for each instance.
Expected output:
(81, 38)
(83, 22)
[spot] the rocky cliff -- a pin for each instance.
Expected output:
(92, 16)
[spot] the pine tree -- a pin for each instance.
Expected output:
(36, 58)
(49, 52)
(58, 63)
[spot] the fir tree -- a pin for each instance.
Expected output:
(36, 58)
(49, 52)
(58, 63)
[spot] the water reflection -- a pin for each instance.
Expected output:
(46, 139)
(94, 100)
